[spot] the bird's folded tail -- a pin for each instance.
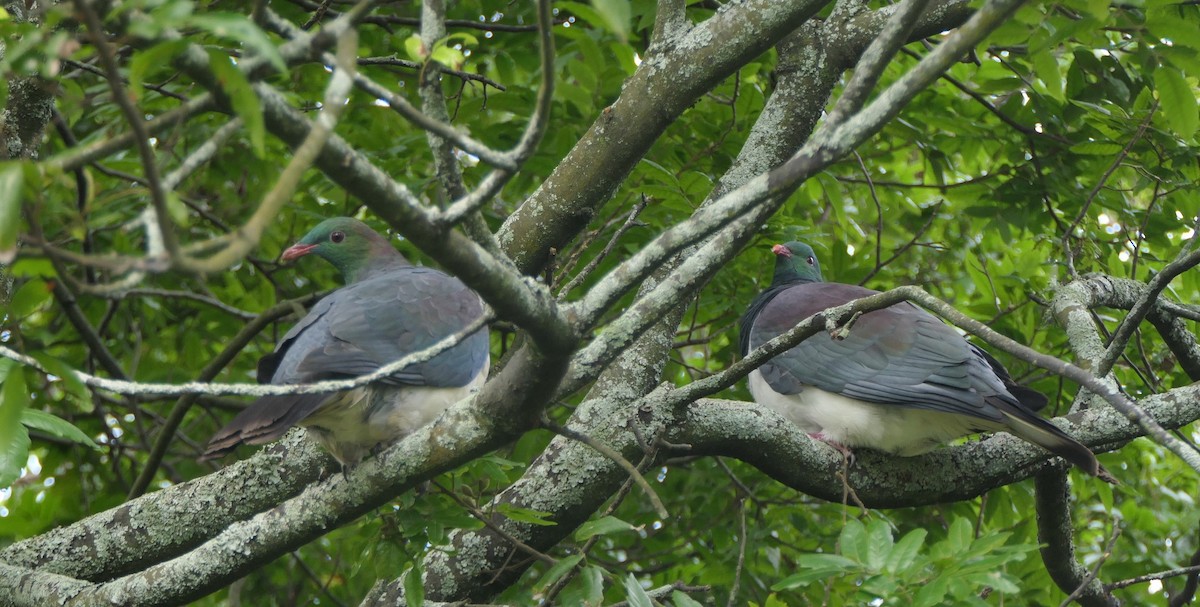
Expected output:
(1034, 429)
(265, 420)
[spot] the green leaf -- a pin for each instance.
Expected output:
(557, 570)
(826, 561)
(635, 595)
(525, 515)
(602, 526)
(14, 438)
(414, 587)
(28, 298)
(241, 96)
(616, 15)
(904, 553)
(240, 28)
(1045, 65)
(414, 49)
(683, 600)
(56, 426)
(156, 56)
(960, 535)
(448, 56)
(12, 177)
(1179, 104)
(804, 578)
(1096, 148)
(932, 592)
(592, 580)
(853, 541)
(879, 543)
(67, 380)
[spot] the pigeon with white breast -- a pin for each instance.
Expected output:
(387, 310)
(901, 381)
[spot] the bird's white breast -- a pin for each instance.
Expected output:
(851, 422)
(364, 418)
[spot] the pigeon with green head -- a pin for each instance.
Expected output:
(387, 310)
(900, 381)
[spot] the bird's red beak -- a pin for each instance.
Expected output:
(297, 251)
(778, 249)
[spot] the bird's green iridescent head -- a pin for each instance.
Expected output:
(795, 262)
(349, 245)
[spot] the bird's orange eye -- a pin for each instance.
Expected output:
(337, 237)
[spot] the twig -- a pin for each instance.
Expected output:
(487, 521)
(630, 221)
(1095, 570)
(129, 387)
(1183, 262)
(613, 455)
(393, 60)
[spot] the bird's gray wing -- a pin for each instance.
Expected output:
(899, 355)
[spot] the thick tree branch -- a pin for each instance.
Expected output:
(763, 438)
(1056, 531)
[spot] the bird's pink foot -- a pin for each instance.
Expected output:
(847, 452)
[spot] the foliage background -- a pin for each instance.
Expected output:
(1068, 139)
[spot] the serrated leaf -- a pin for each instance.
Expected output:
(14, 438)
(414, 586)
(55, 426)
(241, 96)
(602, 526)
(12, 178)
(635, 595)
(557, 570)
(237, 27)
(904, 553)
(1179, 105)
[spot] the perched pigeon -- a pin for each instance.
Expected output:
(387, 309)
(901, 381)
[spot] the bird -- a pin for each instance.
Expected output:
(387, 309)
(901, 381)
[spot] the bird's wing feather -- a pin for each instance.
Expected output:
(377, 321)
(898, 355)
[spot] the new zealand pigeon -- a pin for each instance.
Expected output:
(387, 309)
(901, 381)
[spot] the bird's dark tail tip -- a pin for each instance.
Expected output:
(1041, 432)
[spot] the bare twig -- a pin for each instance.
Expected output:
(630, 221)
(613, 455)
(129, 387)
